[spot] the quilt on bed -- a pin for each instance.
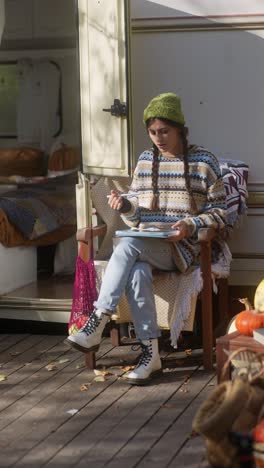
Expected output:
(39, 209)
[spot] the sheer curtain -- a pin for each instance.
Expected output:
(37, 104)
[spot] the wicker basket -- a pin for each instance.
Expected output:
(233, 406)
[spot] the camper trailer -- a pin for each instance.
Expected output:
(75, 76)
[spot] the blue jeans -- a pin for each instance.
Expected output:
(129, 270)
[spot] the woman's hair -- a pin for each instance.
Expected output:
(155, 166)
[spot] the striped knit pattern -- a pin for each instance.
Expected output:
(174, 201)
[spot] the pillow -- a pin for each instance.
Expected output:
(110, 217)
(7, 188)
(24, 161)
(65, 158)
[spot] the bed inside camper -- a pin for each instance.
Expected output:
(39, 159)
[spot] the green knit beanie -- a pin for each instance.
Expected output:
(165, 106)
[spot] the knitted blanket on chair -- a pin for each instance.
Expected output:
(189, 285)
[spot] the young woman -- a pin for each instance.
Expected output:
(174, 186)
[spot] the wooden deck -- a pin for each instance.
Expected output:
(56, 413)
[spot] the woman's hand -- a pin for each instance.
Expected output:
(182, 231)
(115, 201)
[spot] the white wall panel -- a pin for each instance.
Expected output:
(152, 8)
(219, 76)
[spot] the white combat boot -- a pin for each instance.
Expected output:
(149, 364)
(90, 335)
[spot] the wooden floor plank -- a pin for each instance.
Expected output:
(19, 365)
(46, 420)
(179, 432)
(76, 444)
(23, 378)
(99, 397)
(122, 415)
(194, 447)
(38, 389)
(17, 350)
(11, 340)
(135, 447)
(191, 455)
(125, 428)
(46, 407)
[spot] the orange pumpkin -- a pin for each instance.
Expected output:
(249, 319)
(258, 432)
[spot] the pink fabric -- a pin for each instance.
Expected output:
(84, 294)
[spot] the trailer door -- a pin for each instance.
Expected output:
(104, 52)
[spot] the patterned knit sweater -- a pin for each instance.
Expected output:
(174, 200)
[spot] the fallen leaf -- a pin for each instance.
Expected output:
(80, 365)
(51, 367)
(72, 411)
(116, 367)
(62, 361)
(85, 386)
(104, 373)
(14, 353)
(184, 390)
(128, 368)
(188, 352)
(99, 378)
(3, 377)
(125, 368)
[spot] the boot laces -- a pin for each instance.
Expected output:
(146, 355)
(91, 325)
